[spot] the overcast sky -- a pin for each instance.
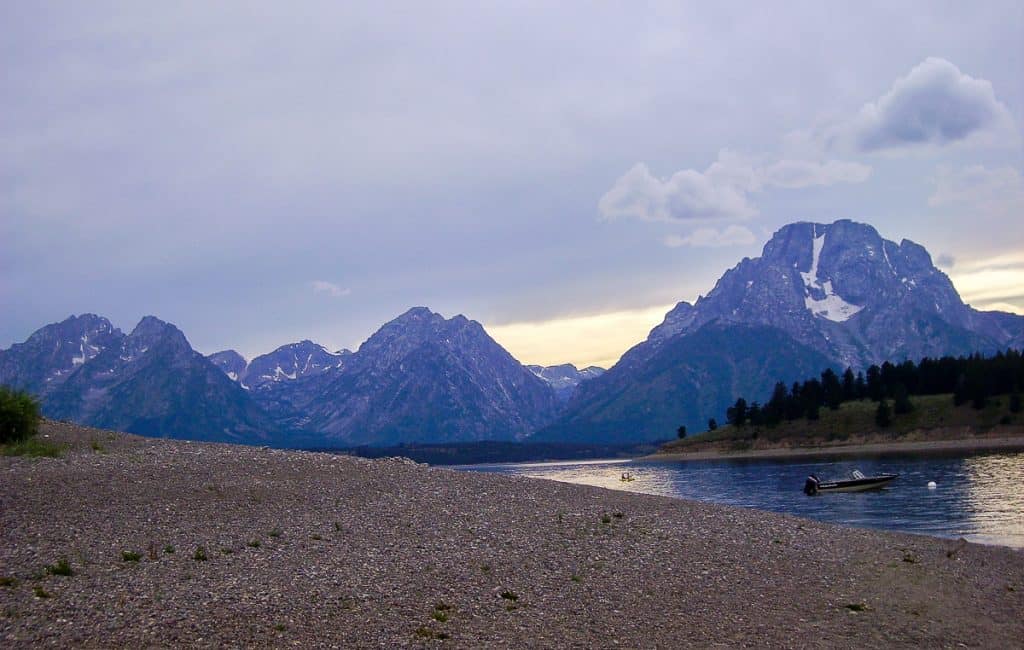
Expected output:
(561, 172)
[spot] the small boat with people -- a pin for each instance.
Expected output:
(857, 482)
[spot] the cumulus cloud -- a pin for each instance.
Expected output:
(686, 195)
(330, 289)
(712, 238)
(721, 191)
(934, 104)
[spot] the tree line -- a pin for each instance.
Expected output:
(975, 379)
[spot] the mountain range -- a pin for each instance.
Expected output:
(820, 295)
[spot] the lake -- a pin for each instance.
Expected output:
(978, 497)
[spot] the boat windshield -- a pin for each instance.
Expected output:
(857, 474)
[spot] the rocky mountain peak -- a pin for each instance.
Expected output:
(230, 362)
(152, 332)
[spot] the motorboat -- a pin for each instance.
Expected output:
(857, 482)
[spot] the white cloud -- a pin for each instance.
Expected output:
(934, 104)
(329, 288)
(999, 191)
(686, 195)
(712, 238)
(719, 192)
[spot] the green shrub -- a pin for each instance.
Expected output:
(19, 415)
(130, 556)
(62, 568)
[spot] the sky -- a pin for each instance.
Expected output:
(261, 173)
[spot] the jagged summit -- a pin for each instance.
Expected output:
(564, 378)
(843, 290)
(820, 294)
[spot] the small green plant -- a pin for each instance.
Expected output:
(425, 633)
(439, 616)
(130, 556)
(19, 415)
(40, 592)
(486, 568)
(280, 627)
(8, 581)
(169, 549)
(316, 537)
(95, 445)
(575, 578)
(606, 519)
(337, 527)
(226, 551)
(857, 607)
(253, 543)
(510, 595)
(275, 533)
(61, 568)
(618, 515)
(200, 554)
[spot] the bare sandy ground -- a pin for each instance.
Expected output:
(196, 545)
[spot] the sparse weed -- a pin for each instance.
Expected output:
(510, 595)
(606, 519)
(316, 537)
(275, 533)
(280, 627)
(200, 554)
(169, 549)
(61, 568)
(40, 592)
(253, 543)
(8, 581)
(130, 556)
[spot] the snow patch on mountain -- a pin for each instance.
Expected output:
(821, 298)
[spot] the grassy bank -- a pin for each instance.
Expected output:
(934, 417)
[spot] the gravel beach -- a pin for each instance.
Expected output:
(172, 543)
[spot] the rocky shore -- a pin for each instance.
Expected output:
(133, 542)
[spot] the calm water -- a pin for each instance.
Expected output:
(980, 497)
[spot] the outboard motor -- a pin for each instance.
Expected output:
(811, 485)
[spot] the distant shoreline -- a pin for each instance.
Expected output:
(1003, 443)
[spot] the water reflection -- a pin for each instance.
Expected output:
(977, 497)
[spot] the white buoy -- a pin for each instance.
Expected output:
(931, 485)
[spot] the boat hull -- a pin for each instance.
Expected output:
(857, 485)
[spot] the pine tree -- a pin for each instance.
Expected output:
(681, 432)
(901, 401)
(712, 424)
(882, 416)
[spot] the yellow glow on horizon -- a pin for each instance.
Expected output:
(991, 288)
(594, 340)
